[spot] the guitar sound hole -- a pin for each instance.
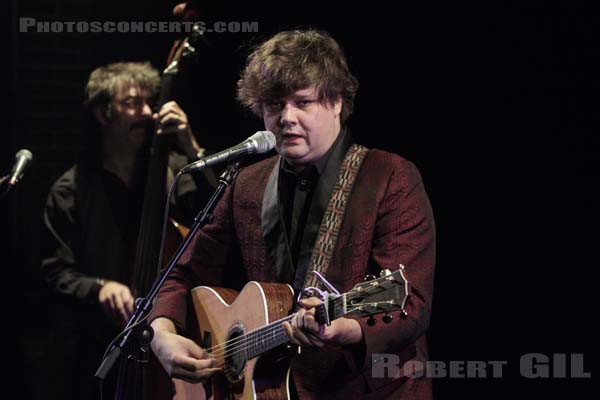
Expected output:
(235, 354)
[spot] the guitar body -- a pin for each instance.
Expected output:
(244, 331)
(222, 315)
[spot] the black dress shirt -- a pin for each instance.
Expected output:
(303, 199)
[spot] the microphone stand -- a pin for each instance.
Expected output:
(142, 331)
(7, 189)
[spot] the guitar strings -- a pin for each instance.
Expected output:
(274, 329)
(263, 330)
(268, 329)
(245, 346)
(273, 325)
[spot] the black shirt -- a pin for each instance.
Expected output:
(303, 200)
(91, 222)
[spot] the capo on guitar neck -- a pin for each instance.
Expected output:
(324, 295)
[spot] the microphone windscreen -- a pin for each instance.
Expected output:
(265, 141)
(26, 154)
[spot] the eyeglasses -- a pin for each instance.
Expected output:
(137, 102)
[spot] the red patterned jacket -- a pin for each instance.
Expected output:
(388, 222)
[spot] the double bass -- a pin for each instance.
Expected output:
(141, 376)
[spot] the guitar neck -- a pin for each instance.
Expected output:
(381, 295)
(266, 338)
(273, 335)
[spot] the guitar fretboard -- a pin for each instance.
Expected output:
(381, 295)
(270, 336)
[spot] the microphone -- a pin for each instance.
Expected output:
(259, 143)
(23, 159)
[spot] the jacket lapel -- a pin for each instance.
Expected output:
(278, 249)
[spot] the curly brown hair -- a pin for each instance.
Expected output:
(294, 60)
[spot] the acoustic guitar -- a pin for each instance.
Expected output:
(244, 331)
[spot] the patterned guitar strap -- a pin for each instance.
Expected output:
(334, 214)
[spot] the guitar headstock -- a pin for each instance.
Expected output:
(380, 295)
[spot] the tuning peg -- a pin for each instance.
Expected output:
(387, 318)
(400, 266)
(385, 272)
(403, 314)
(371, 321)
(369, 277)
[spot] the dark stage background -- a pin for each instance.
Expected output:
(497, 104)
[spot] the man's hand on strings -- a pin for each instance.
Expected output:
(181, 357)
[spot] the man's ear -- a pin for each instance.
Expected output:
(337, 105)
(102, 114)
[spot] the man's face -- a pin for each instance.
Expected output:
(130, 116)
(305, 128)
